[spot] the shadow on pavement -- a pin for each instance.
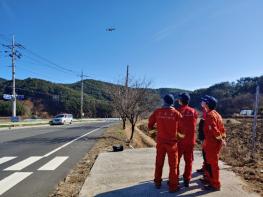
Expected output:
(53, 139)
(147, 189)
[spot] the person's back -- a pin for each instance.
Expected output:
(186, 145)
(167, 121)
(188, 124)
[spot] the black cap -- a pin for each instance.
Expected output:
(210, 101)
(168, 99)
(204, 98)
(185, 98)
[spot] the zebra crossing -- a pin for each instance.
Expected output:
(19, 169)
(18, 176)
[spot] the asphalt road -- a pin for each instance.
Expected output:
(34, 160)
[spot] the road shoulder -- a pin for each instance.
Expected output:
(72, 184)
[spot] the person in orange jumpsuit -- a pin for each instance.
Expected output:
(186, 145)
(201, 135)
(215, 135)
(167, 120)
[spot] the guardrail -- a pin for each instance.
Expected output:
(34, 122)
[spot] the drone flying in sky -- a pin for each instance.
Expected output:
(110, 29)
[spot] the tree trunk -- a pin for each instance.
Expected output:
(132, 131)
(123, 123)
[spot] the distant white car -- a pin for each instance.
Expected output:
(246, 112)
(62, 119)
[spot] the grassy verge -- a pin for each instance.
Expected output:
(39, 123)
(24, 124)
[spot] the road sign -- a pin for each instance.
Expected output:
(7, 97)
(10, 97)
(15, 119)
(20, 97)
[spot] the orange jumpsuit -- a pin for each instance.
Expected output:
(186, 145)
(168, 123)
(214, 133)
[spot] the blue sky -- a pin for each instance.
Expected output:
(186, 44)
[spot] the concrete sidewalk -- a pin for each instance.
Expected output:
(130, 173)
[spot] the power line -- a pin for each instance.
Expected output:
(49, 61)
(39, 63)
(33, 72)
(51, 64)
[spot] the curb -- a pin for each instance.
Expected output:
(44, 124)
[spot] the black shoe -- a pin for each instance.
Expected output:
(186, 183)
(158, 186)
(200, 170)
(174, 190)
(210, 188)
(204, 181)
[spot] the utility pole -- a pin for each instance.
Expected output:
(13, 54)
(255, 121)
(127, 78)
(82, 93)
(126, 85)
(126, 90)
(81, 96)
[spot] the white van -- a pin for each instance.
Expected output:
(62, 119)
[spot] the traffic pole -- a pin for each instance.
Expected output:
(13, 79)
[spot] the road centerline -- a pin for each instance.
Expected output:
(68, 143)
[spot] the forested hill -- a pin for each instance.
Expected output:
(45, 99)
(232, 96)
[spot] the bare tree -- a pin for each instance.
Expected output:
(133, 102)
(117, 94)
(139, 101)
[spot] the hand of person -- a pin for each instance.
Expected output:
(224, 142)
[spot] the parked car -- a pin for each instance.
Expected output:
(62, 119)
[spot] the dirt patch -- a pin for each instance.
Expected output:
(238, 152)
(141, 138)
(72, 184)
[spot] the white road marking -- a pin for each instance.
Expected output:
(54, 163)
(63, 146)
(23, 164)
(13, 179)
(6, 159)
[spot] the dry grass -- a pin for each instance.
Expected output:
(238, 153)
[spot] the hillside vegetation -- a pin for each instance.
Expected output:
(233, 96)
(45, 99)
